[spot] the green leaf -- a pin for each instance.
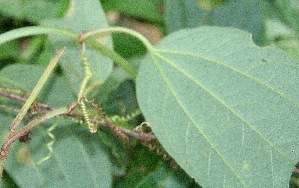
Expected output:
(79, 158)
(182, 14)
(283, 36)
(117, 151)
(225, 109)
(27, 9)
(6, 181)
(46, 54)
(290, 45)
(276, 29)
(242, 14)
(27, 77)
(144, 9)
(76, 160)
(122, 101)
(165, 177)
(127, 46)
(9, 50)
(287, 11)
(115, 89)
(82, 16)
(117, 77)
(141, 161)
(55, 91)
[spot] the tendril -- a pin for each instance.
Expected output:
(104, 117)
(49, 144)
(82, 91)
(126, 118)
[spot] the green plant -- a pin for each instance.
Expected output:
(215, 104)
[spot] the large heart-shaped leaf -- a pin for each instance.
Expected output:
(225, 109)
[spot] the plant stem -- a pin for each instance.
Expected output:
(109, 30)
(21, 99)
(32, 125)
(13, 137)
(79, 116)
(41, 82)
(38, 30)
(34, 30)
(104, 31)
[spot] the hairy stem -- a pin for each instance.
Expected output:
(78, 116)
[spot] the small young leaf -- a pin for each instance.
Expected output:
(225, 109)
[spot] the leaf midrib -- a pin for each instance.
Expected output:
(228, 67)
(170, 87)
(194, 122)
(197, 82)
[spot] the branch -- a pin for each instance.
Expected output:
(16, 135)
(136, 135)
(23, 100)
(67, 111)
(28, 128)
(41, 82)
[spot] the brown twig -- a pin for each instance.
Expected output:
(136, 135)
(23, 100)
(26, 129)
(67, 111)
(18, 134)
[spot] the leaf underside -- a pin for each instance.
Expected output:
(225, 109)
